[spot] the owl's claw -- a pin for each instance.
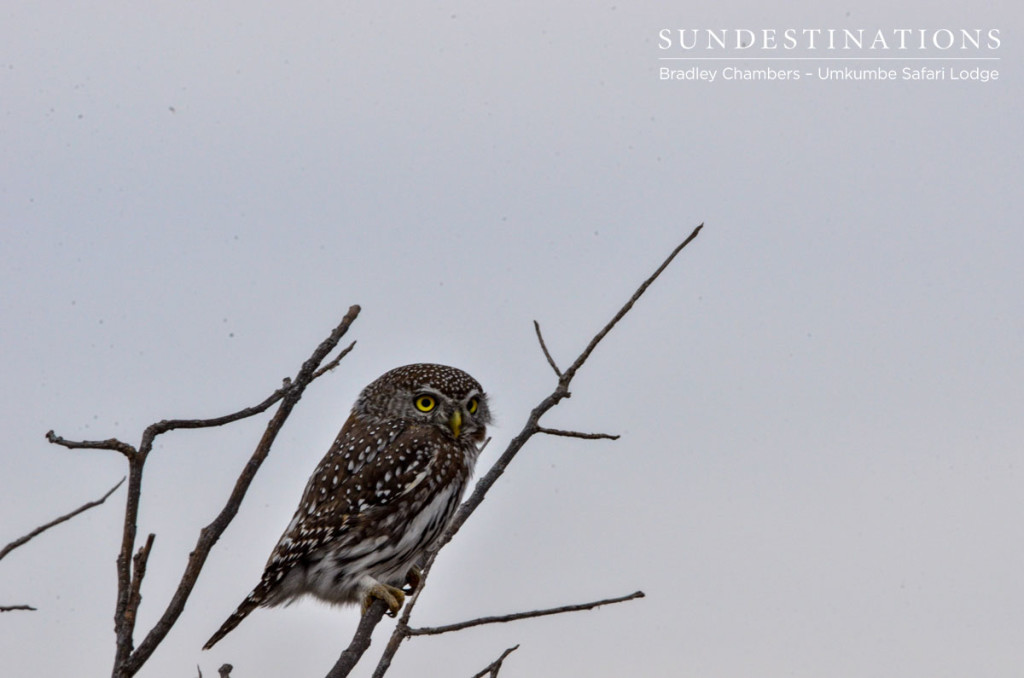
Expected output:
(413, 579)
(394, 597)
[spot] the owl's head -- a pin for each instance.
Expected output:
(423, 393)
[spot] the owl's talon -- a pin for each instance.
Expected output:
(413, 579)
(394, 597)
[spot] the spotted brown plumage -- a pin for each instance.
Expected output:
(384, 492)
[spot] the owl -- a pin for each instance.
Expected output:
(383, 494)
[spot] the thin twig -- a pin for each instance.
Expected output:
(67, 516)
(334, 363)
(166, 425)
(578, 363)
(138, 572)
(531, 427)
(108, 444)
(577, 434)
(544, 347)
(43, 528)
(436, 630)
(495, 666)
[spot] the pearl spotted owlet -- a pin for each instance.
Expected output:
(383, 494)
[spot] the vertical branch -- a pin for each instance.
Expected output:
(124, 624)
(138, 572)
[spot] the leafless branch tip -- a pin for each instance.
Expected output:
(21, 541)
(139, 562)
(108, 444)
(576, 434)
(437, 630)
(492, 669)
(334, 363)
(627, 307)
(544, 347)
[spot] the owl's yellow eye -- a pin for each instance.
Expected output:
(425, 403)
(472, 405)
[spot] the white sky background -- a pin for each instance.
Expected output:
(820, 464)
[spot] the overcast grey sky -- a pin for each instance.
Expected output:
(820, 465)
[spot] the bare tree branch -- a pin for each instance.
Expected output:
(360, 641)
(225, 670)
(12, 608)
(124, 617)
(495, 666)
(108, 444)
(576, 434)
(327, 368)
(290, 392)
(131, 569)
(139, 571)
(128, 660)
(21, 541)
(571, 372)
(436, 630)
(166, 425)
(401, 632)
(544, 347)
(531, 427)
(561, 392)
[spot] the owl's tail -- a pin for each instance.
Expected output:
(251, 602)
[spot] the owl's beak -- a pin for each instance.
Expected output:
(455, 422)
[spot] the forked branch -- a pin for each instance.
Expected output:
(208, 536)
(532, 426)
(131, 564)
(492, 669)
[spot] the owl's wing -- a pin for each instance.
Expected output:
(367, 466)
(362, 478)
(371, 473)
